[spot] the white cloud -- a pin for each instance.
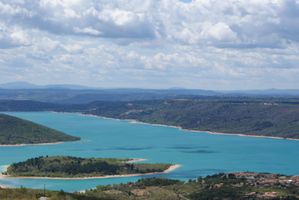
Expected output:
(120, 17)
(88, 31)
(73, 48)
(220, 32)
(212, 22)
(207, 40)
(12, 37)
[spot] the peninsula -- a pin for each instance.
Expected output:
(16, 131)
(67, 167)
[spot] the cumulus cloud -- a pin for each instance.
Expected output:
(12, 37)
(233, 23)
(219, 32)
(77, 17)
(103, 40)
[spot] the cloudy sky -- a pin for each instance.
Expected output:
(208, 44)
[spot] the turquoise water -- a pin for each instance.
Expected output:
(199, 153)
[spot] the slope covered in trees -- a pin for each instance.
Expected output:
(14, 130)
(266, 117)
(73, 167)
(237, 115)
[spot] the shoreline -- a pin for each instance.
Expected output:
(134, 121)
(248, 135)
(23, 145)
(3, 187)
(171, 168)
(3, 168)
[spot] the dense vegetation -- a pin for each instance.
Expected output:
(220, 186)
(261, 116)
(18, 131)
(66, 166)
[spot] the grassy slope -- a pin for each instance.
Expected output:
(18, 131)
(66, 166)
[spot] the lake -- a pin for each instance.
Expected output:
(199, 154)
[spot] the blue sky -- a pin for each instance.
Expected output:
(207, 44)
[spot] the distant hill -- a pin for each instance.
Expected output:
(268, 92)
(14, 130)
(77, 94)
(25, 85)
(18, 85)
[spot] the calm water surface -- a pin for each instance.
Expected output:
(199, 153)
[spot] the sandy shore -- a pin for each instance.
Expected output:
(22, 145)
(134, 121)
(249, 135)
(215, 133)
(3, 169)
(3, 186)
(170, 169)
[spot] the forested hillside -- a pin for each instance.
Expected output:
(72, 167)
(265, 117)
(253, 116)
(14, 130)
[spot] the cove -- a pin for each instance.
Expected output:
(199, 154)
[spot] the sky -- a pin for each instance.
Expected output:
(204, 44)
